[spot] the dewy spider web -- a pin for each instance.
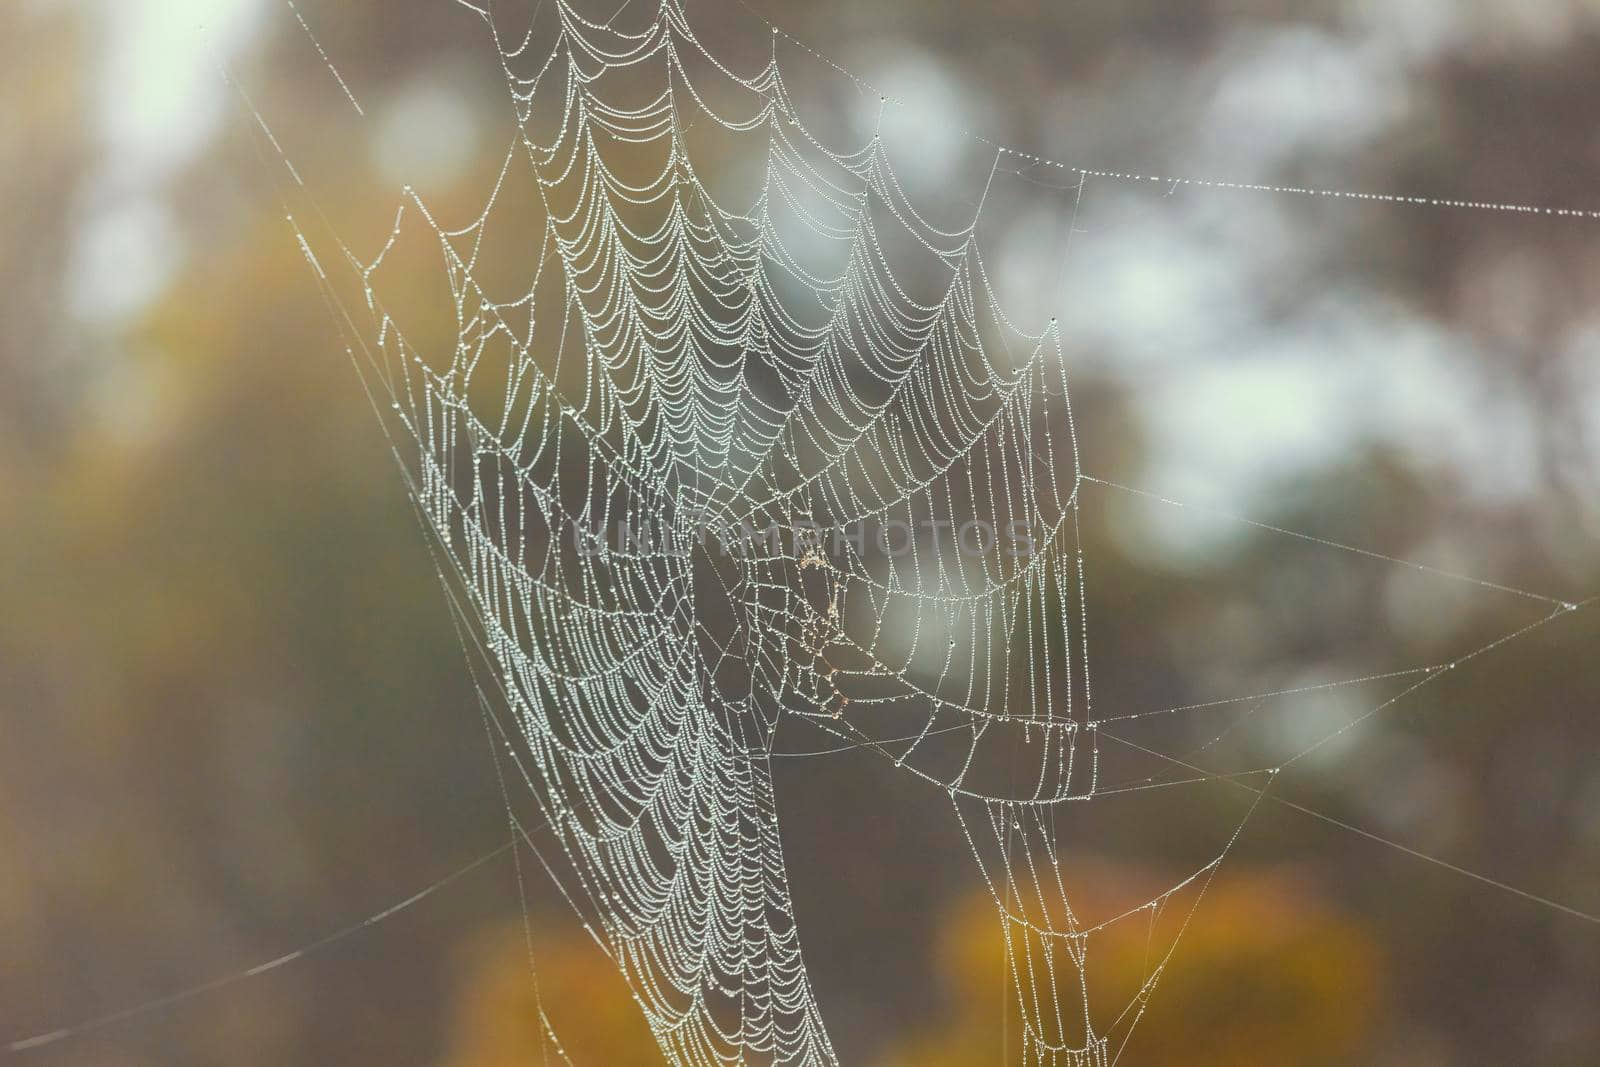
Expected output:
(660, 477)
(751, 381)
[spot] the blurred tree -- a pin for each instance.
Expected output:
(503, 982)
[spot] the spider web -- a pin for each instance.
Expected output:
(660, 472)
(750, 379)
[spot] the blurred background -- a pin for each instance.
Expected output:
(234, 716)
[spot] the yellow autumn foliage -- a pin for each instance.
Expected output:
(1267, 973)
